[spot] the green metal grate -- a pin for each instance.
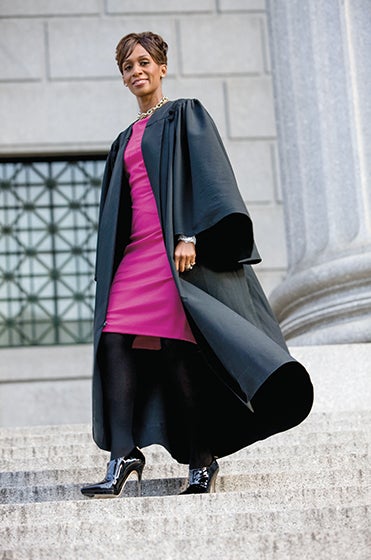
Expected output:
(48, 225)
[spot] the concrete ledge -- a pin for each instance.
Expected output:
(45, 385)
(45, 363)
(341, 375)
(52, 385)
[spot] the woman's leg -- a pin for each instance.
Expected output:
(183, 369)
(119, 379)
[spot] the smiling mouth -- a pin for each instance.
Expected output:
(140, 82)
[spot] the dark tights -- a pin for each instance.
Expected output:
(183, 376)
(119, 378)
(119, 381)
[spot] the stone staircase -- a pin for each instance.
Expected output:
(303, 494)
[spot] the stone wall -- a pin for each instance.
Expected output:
(61, 91)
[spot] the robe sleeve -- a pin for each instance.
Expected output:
(110, 161)
(221, 221)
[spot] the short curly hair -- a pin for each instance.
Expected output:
(153, 43)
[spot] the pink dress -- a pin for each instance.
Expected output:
(144, 299)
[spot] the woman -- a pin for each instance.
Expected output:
(187, 352)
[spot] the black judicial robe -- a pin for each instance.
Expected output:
(252, 386)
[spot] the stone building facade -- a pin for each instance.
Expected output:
(287, 83)
(61, 92)
(62, 97)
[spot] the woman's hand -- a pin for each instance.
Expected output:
(184, 256)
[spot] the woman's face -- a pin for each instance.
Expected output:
(142, 74)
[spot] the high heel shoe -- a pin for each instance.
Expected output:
(118, 471)
(202, 480)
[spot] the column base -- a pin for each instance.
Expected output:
(328, 303)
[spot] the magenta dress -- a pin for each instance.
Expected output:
(144, 299)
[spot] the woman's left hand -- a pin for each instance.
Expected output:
(184, 256)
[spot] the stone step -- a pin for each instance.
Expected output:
(309, 484)
(113, 520)
(82, 433)
(298, 496)
(61, 448)
(57, 473)
(334, 544)
(303, 493)
(64, 448)
(86, 457)
(152, 506)
(278, 481)
(76, 470)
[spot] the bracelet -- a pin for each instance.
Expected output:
(187, 239)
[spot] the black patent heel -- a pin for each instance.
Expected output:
(202, 480)
(213, 483)
(139, 480)
(118, 472)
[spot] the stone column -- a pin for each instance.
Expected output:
(321, 53)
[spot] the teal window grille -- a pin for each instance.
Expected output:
(48, 226)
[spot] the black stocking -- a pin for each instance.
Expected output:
(183, 368)
(119, 380)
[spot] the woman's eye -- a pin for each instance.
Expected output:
(127, 68)
(144, 62)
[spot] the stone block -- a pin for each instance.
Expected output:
(250, 107)
(269, 235)
(158, 6)
(209, 92)
(241, 5)
(81, 115)
(85, 47)
(228, 44)
(253, 164)
(84, 115)
(22, 52)
(49, 7)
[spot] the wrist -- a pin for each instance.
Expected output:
(187, 238)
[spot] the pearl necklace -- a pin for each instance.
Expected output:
(162, 101)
